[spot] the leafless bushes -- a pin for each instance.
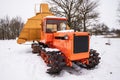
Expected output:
(10, 28)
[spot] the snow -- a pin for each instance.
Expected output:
(51, 49)
(66, 31)
(55, 17)
(18, 63)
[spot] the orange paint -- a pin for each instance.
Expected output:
(44, 28)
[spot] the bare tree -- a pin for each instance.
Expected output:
(78, 12)
(66, 8)
(87, 12)
(16, 25)
(10, 28)
(4, 23)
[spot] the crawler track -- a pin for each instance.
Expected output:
(52, 57)
(56, 61)
(93, 60)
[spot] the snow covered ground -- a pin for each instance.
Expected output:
(18, 63)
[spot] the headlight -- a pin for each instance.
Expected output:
(66, 37)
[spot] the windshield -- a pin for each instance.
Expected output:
(55, 25)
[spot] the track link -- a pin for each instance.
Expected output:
(53, 57)
(93, 60)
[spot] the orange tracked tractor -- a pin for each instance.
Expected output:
(56, 44)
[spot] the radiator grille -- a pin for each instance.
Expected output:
(81, 44)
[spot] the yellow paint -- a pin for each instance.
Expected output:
(32, 29)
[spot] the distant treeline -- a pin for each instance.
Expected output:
(116, 31)
(10, 28)
(102, 29)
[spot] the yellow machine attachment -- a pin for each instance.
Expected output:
(32, 29)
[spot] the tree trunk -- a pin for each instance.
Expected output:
(84, 23)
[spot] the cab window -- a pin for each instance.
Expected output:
(55, 25)
(51, 28)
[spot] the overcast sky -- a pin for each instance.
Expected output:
(25, 9)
